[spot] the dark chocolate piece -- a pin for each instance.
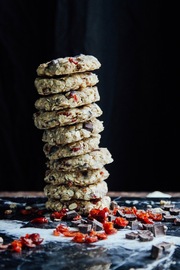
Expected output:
(169, 218)
(177, 221)
(132, 235)
(111, 217)
(71, 214)
(158, 229)
(113, 205)
(84, 173)
(76, 222)
(79, 221)
(148, 227)
(51, 63)
(174, 211)
(88, 126)
(168, 206)
(159, 249)
(130, 217)
(119, 213)
(84, 221)
(84, 228)
(135, 225)
(96, 225)
(145, 235)
(156, 251)
(53, 149)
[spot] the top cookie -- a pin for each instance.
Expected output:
(68, 65)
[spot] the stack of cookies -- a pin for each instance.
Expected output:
(67, 112)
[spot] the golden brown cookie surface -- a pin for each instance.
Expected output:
(68, 65)
(93, 160)
(70, 99)
(46, 120)
(72, 133)
(81, 147)
(48, 86)
(79, 178)
(65, 193)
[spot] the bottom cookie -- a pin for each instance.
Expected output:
(81, 206)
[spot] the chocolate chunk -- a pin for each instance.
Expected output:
(46, 90)
(159, 249)
(169, 218)
(52, 63)
(177, 221)
(84, 228)
(145, 238)
(84, 221)
(132, 235)
(113, 205)
(174, 211)
(135, 225)
(119, 213)
(130, 217)
(168, 206)
(156, 252)
(111, 217)
(52, 150)
(158, 229)
(145, 235)
(88, 126)
(84, 173)
(96, 225)
(76, 222)
(71, 214)
(148, 227)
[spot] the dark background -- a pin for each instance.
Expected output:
(137, 43)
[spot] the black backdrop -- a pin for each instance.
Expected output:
(137, 45)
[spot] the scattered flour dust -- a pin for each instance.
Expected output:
(158, 194)
(13, 228)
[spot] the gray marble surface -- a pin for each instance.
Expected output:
(52, 255)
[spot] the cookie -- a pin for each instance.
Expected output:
(78, 178)
(70, 99)
(81, 206)
(72, 133)
(68, 65)
(48, 86)
(46, 120)
(66, 193)
(93, 160)
(81, 147)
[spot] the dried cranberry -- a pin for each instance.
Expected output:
(71, 60)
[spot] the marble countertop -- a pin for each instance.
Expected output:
(115, 253)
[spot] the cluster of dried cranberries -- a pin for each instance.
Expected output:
(29, 240)
(99, 224)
